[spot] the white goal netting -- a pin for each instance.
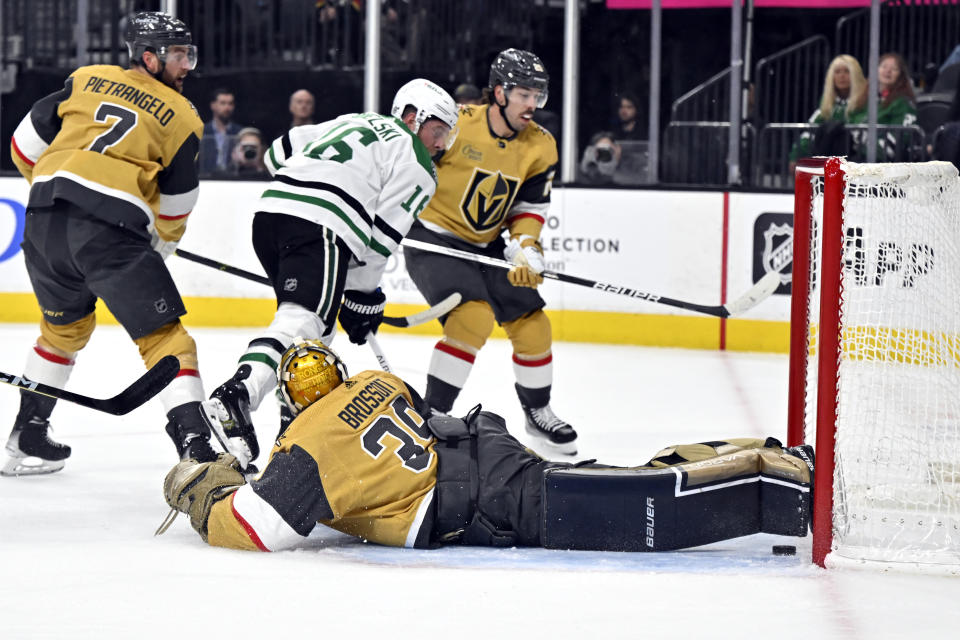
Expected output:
(897, 454)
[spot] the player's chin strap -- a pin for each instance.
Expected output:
(503, 114)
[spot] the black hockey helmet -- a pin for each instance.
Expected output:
(516, 67)
(156, 31)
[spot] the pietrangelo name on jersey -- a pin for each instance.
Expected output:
(365, 402)
(142, 99)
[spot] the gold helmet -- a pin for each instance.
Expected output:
(308, 371)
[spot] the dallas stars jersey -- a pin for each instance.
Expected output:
(487, 183)
(117, 143)
(364, 176)
(360, 460)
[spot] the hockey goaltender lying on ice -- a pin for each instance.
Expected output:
(359, 457)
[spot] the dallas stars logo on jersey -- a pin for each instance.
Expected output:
(487, 199)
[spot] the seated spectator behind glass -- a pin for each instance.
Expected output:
(218, 134)
(947, 139)
(627, 126)
(247, 156)
(467, 93)
(301, 108)
(897, 106)
(844, 98)
(600, 159)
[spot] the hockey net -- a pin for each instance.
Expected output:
(875, 360)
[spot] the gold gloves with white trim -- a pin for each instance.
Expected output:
(526, 254)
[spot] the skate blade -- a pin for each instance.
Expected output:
(214, 413)
(16, 466)
(566, 448)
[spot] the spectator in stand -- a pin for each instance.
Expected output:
(467, 93)
(301, 108)
(897, 107)
(247, 156)
(600, 159)
(947, 139)
(627, 126)
(218, 133)
(844, 98)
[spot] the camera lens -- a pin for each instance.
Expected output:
(604, 154)
(249, 152)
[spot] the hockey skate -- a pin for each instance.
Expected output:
(545, 425)
(227, 412)
(31, 450)
(190, 433)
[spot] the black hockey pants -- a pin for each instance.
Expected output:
(488, 484)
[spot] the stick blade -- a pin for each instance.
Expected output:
(143, 389)
(443, 307)
(759, 292)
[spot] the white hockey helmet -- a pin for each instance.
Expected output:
(430, 101)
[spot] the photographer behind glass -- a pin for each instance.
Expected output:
(600, 159)
(247, 155)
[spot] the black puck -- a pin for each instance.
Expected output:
(784, 550)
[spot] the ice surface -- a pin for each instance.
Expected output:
(80, 560)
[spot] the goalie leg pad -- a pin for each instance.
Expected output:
(687, 505)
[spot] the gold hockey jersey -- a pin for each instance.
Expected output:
(360, 460)
(488, 183)
(117, 143)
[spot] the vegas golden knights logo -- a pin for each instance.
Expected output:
(487, 199)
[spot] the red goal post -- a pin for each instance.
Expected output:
(874, 377)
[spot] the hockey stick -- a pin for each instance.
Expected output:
(377, 351)
(763, 288)
(207, 262)
(443, 307)
(145, 387)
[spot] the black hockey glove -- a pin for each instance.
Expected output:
(361, 313)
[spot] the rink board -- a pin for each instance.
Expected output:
(706, 247)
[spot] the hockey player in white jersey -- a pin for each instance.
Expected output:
(343, 196)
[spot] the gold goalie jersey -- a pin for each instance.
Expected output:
(360, 460)
(487, 183)
(117, 143)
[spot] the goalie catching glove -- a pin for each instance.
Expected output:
(361, 313)
(527, 256)
(194, 487)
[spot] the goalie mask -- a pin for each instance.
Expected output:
(428, 99)
(308, 371)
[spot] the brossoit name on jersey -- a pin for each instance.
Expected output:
(137, 97)
(366, 402)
